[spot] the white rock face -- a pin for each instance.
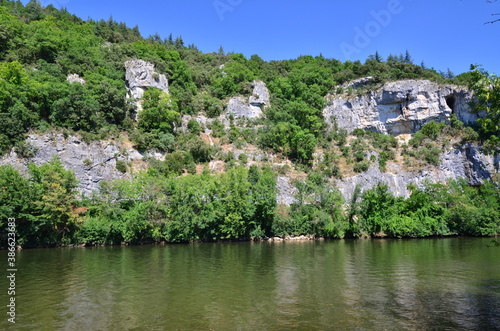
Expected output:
(240, 107)
(465, 162)
(92, 163)
(260, 96)
(75, 78)
(358, 83)
(251, 107)
(400, 107)
(141, 75)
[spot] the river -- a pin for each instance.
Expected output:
(444, 284)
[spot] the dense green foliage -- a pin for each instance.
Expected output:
(44, 204)
(238, 204)
(487, 91)
(174, 200)
(435, 210)
(41, 46)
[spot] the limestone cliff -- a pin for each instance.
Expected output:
(400, 107)
(250, 107)
(141, 75)
(466, 162)
(238, 107)
(92, 162)
(377, 110)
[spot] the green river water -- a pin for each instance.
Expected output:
(428, 284)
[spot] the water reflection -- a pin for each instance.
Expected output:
(372, 284)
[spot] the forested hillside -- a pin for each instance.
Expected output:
(179, 199)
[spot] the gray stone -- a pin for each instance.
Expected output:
(91, 163)
(252, 107)
(141, 75)
(400, 107)
(240, 107)
(260, 96)
(465, 162)
(286, 191)
(358, 83)
(75, 78)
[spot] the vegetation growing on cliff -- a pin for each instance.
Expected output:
(238, 204)
(177, 202)
(41, 46)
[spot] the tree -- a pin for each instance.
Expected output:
(77, 108)
(34, 10)
(407, 58)
(487, 90)
(179, 43)
(157, 114)
(495, 20)
(264, 196)
(52, 192)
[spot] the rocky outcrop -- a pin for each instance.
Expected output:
(92, 162)
(75, 78)
(250, 107)
(286, 191)
(238, 107)
(358, 83)
(399, 107)
(466, 162)
(260, 96)
(141, 75)
(97, 161)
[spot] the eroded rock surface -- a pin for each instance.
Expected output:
(466, 162)
(250, 107)
(75, 78)
(92, 163)
(400, 107)
(141, 75)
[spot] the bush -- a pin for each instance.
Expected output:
(25, 149)
(176, 162)
(243, 158)
(194, 127)
(217, 129)
(430, 155)
(362, 166)
(121, 166)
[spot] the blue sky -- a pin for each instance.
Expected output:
(444, 33)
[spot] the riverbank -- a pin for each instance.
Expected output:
(302, 238)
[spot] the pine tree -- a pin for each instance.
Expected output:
(179, 43)
(392, 58)
(221, 51)
(449, 74)
(407, 58)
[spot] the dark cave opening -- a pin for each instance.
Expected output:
(451, 101)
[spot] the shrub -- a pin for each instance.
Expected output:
(243, 158)
(121, 166)
(194, 127)
(25, 149)
(362, 166)
(217, 129)
(431, 154)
